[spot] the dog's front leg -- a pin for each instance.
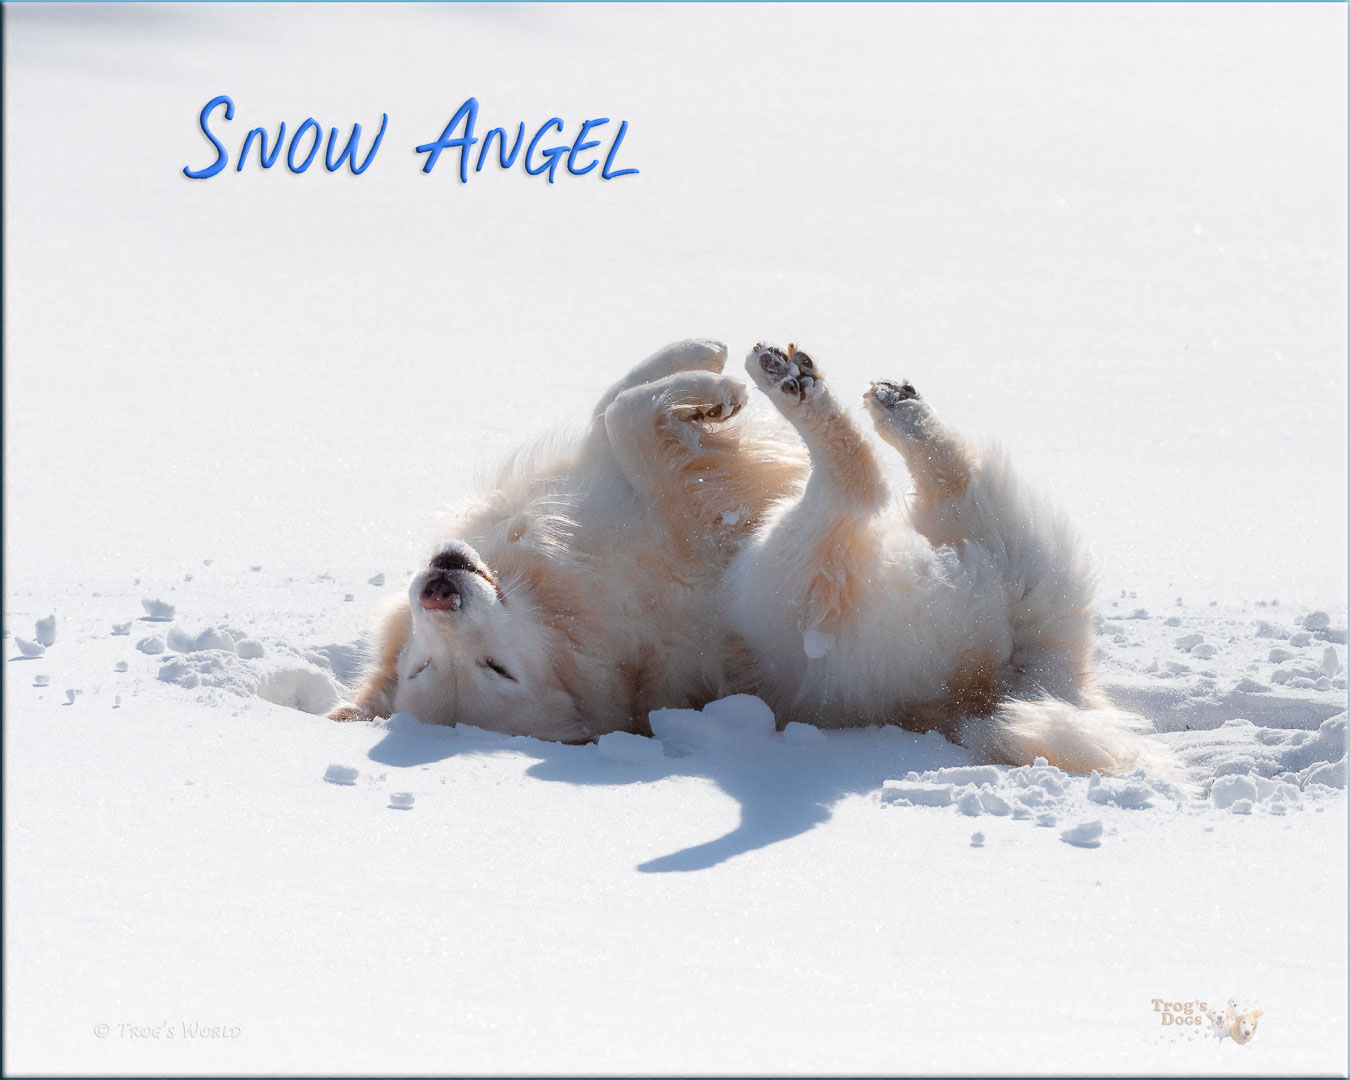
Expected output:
(813, 562)
(375, 697)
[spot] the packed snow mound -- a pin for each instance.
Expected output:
(1039, 792)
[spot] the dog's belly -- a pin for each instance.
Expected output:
(925, 635)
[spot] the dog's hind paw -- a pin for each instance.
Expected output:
(792, 372)
(706, 397)
(898, 410)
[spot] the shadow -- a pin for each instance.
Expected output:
(783, 789)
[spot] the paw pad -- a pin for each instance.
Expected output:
(772, 360)
(890, 394)
(792, 372)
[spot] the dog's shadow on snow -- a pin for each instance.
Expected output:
(783, 789)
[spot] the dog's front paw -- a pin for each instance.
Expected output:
(347, 712)
(791, 372)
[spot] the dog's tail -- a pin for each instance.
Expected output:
(1074, 738)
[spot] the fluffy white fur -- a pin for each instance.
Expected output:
(682, 550)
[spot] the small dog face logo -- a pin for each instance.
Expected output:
(1244, 1027)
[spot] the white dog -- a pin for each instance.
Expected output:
(681, 551)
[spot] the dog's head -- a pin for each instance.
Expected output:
(1220, 1018)
(473, 656)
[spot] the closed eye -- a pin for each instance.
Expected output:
(497, 669)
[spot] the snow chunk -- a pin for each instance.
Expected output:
(44, 630)
(177, 670)
(249, 649)
(401, 800)
(1317, 620)
(920, 794)
(158, 610)
(629, 749)
(306, 689)
(1187, 642)
(122, 629)
(341, 774)
(1088, 834)
(154, 644)
(993, 803)
(1230, 789)
(800, 734)
(743, 714)
(1203, 651)
(977, 839)
(731, 718)
(29, 648)
(1331, 661)
(210, 638)
(817, 645)
(405, 723)
(377, 580)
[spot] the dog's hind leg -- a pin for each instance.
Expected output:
(965, 497)
(692, 354)
(939, 461)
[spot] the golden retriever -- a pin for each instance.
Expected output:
(682, 550)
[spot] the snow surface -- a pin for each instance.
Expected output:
(1111, 237)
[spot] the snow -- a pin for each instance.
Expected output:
(1085, 835)
(1111, 237)
(629, 749)
(341, 774)
(29, 648)
(800, 734)
(816, 644)
(157, 610)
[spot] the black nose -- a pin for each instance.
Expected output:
(453, 558)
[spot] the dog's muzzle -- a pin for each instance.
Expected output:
(441, 592)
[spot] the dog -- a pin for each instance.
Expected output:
(1221, 1022)
(684, 548)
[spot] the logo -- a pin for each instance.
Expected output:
(1191, 1020)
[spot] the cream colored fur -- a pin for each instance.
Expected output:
(682, 549)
